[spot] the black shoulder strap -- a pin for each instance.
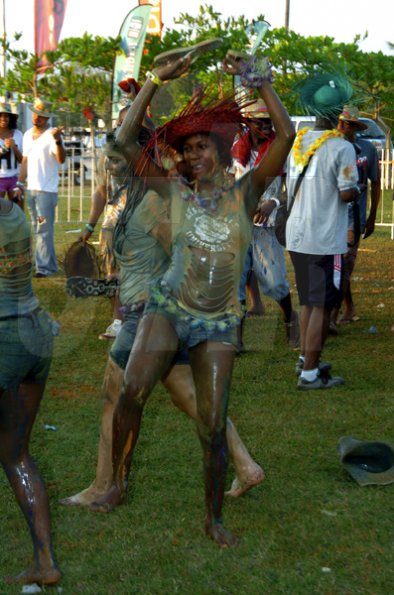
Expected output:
(297, 187)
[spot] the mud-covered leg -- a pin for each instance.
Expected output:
(180, 385)
(18, 410)
(112, 384)
(153, 350)
(212, 365)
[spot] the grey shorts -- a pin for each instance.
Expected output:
(26, 346)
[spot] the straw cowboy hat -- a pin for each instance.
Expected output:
(351, 114)
(367, 461)
(258, 109)
(41, 107)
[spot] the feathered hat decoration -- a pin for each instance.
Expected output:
(324, 95)
(222, 119)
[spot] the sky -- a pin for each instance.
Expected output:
(336, 18)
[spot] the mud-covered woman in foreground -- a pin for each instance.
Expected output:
(196, 304)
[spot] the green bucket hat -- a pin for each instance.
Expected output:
(367, 461)
(324, 95)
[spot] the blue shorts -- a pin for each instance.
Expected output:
(191, 330)
(26, 346)
(123, 344)
(318, 279)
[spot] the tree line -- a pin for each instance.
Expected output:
(79, 74)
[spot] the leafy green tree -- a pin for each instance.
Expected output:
(80, 69)
(78, 76)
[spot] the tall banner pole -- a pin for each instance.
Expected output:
(127, 64)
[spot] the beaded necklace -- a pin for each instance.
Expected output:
(210, 203)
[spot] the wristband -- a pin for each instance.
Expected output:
(21, 184)
(152, 76)
(89, 227)
(59, 142)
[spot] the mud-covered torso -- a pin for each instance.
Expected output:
(16, 289)
(209, 249)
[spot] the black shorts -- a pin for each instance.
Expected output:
(318, 279)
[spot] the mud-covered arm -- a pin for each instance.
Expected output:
(272, 164)
(127, 135)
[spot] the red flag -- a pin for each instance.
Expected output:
(48, 21)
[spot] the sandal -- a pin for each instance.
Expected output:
(83, 287)
(193, 50)
(348, 319)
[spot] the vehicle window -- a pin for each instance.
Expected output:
(373, 130)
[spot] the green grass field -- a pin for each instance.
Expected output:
(308, 529)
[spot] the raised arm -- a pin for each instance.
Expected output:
(273, 161)
(127, 134)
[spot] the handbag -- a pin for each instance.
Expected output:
(284, 210)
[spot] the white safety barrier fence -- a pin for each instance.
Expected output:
(77, 183)
(386, 163)
(76, 187)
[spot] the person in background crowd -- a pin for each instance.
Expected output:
(265, 259)
(11, 143)
(43, 152)
(316, 229)
(367, 160)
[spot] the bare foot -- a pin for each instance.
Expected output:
(108, 501)
(242, 485)
(84, 498)
(220, 535)
(35, 574)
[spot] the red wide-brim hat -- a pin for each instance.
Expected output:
(221, 118)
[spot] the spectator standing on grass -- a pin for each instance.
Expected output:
(43, 153)
(265, 258)
(368, 169)
(26, 344)
(316, 232)
(11, 143)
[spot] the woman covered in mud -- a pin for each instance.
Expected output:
(195, 305)
(26, 342)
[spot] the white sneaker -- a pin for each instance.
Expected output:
(112, 330)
